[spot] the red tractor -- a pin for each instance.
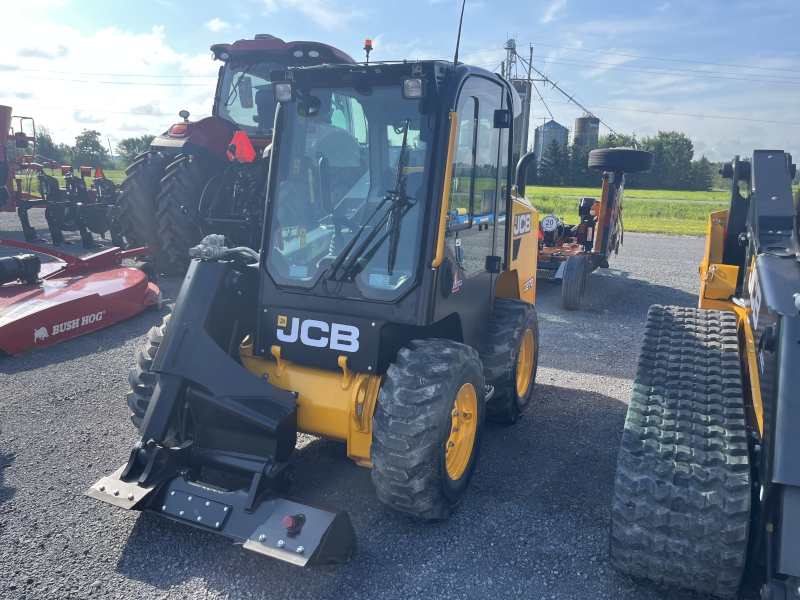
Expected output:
(211, 173)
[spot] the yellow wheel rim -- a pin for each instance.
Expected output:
(527, 352)
(462, 431)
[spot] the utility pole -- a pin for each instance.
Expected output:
(113, 162)
(526, 116)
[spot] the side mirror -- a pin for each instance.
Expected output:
(246, 93)
(21, 143)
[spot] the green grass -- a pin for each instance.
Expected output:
(675, 218)
(539, 192)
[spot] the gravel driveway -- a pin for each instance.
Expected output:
(534, 523)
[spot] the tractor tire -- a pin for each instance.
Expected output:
(141, 379)
(682, 496)
(627, 160)
(573, 284)
(510, 357)
(427, 428)
(182, 186)
(137, 200)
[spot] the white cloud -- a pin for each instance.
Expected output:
(86, 118)
(325, 13)
(551, 12)
(54, 90)
(216, 25)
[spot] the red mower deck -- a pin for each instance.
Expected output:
(75, 296)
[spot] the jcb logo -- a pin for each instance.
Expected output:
(522, 223)
(311, 333)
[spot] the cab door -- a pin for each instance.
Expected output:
(471, 236)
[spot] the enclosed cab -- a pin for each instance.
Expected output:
(383, 309)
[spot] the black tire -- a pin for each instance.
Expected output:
(141, 379)
(413, 422)
(137, 199)
(627, 160)
(682, 496)
(574, 282)
(511, 318)
(182, 186)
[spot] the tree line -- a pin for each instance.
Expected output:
(674, 166)
(89, 150)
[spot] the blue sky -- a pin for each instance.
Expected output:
(741, 58)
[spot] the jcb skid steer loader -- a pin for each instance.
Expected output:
(369, 316)
(709, 467)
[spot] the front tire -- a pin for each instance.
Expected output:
(427, 428)
(510, 358)
(573, 284)
(137, 200)
(182, 186)
(141, 379)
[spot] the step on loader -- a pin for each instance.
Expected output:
(708, 476)
(370, 314)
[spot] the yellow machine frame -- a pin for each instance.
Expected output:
(340, 405)
(717, 288)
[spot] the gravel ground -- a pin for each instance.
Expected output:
(534, 523)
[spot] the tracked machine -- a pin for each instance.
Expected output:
(209, 176)
(708, 477)
(369, 315)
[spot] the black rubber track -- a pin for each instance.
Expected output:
(682, 496)
(573, 284)
(510, 319)
(628, 160)
(412, 423)
(137, 200)
(182, 186)
(141, 379)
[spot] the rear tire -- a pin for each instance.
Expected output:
(137, 200)
(141, 379)
(416, 419)
(627, 160)
(182, 186)
(574, 282)
(501, 353)
(681, 508)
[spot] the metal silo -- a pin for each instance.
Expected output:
(546, 132)
(587, 132)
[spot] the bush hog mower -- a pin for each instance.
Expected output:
(76, 207)
(370, 315)
(209, 176)
(709, 468)
(568, 253)
(43, 304)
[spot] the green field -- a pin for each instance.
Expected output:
(541, 192)
(687, 214)
(676, 218)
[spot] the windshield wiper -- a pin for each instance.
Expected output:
(400, 205)
(235, 88)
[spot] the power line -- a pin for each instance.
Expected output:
(111, 112)
(675, 72)
(694, 62)
(10, 68)
(116, 82)
(569, 98)
(655, 112)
